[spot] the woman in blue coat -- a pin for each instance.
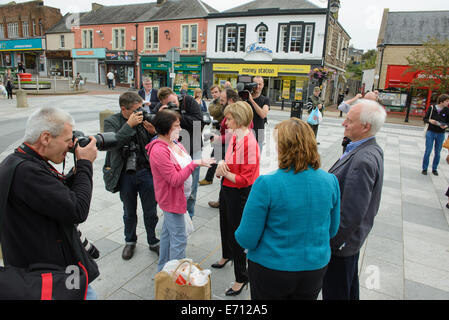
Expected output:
(289, 218)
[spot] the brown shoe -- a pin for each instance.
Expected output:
(214, 204)
(128, 251)
(205, 182)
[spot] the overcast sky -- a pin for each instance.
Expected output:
(361, 19)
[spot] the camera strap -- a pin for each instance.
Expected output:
(26, 149)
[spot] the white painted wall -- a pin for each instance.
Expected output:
(272, 23)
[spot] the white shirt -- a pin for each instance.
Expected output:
(110, 76)
(183, 162)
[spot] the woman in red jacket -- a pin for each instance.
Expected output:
(239, 171)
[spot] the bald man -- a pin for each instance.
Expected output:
(345, 106)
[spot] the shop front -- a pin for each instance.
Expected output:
(187, 70)
(59, 63)
(398, 94)
(89, 63)
(122, 64)
(282, 81)
(29, 52)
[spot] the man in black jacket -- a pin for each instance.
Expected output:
(43, 208)
(133, 133)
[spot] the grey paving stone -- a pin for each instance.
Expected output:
(418, 291)
(388, 250)
(427, 216)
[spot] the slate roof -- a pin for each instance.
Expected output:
(278, 4)
(409, 28)
(170, 10)
(61, 25)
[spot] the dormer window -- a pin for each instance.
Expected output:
(261, 30)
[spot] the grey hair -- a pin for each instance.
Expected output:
(372, 113)
(147, 79)
(48, 119)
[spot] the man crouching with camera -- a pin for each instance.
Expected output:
(127, 169)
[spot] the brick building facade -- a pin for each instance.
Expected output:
(22, 29)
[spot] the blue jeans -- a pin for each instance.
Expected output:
(91, 294)
(131, 185)
(173, 239)
(431, 138)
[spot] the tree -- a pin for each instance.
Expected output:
(431, 61)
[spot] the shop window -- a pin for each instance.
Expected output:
(152, 38)
(25, 31)
(13, 30)
(87, 39)
(118, 39)
(261, 30)
(189, 37)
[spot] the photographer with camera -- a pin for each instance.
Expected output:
(191, 118)
(127, 169)
(261, 107)
(40, 208)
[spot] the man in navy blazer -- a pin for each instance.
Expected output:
(148, 94)
(360, 173)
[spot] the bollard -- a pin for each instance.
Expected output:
(103, 115)
(21, 96)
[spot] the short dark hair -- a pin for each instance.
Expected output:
(232, 94)
(163, 93)
(128, 99)
(164, 120)
(442, 98)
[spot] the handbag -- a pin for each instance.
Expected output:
(189, 224)
(426, 126)
(167, 286)
(314, 117)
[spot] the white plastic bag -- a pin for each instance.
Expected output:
(185, 272)
(189, 224)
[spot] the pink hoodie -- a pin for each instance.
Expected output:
(168, 177)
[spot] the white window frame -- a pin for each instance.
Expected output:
(298, 42)
(188, 44)
(151, 45)
(25, 29)
(331, 37)
(338, 55)
(84, 42)
(2, 31)
(62, 41)
(241, 35)
(13, 30)
(220, 38)
(118, 38)
(308, 38)
(262, 34)
(227, 42)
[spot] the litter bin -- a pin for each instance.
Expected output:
(296, 110)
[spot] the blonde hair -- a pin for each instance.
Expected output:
(241, 112)
(185, 85)
(297, 147)
(196, 92)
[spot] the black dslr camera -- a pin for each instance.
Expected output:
(174, 107)
(105, 141)
(146, 115)
(129, 153)
(245, 87)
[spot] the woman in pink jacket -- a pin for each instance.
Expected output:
(172, 168)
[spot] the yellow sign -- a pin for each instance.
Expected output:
(286, 90)
(298, 90)
(265, 70)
